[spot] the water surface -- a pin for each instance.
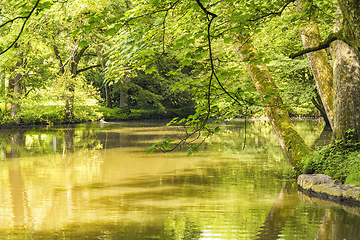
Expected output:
(96, 182)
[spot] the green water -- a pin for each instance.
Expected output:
(93, 181)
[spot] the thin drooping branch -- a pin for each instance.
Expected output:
(213, 15)
(22, 27)
(325, 44)
(10, 21)
(153, 12)
(278, 13)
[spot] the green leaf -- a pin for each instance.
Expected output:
(228, 40)
(25, 14)
(83, 44)
(149, 70)
(186, 62)
(178, 45)
(110, 32)
(267, 60)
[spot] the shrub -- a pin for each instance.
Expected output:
(340, 160)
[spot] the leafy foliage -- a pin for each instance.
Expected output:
(340, 160)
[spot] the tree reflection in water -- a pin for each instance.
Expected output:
(89, 182)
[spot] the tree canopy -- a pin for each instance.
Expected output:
(232, 57)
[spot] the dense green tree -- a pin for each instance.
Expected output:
(216, 20)
(144, 33)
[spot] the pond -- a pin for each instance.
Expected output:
(92, 181)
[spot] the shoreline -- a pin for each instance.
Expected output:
(324, 187)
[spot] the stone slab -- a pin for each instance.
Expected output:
(325, 187)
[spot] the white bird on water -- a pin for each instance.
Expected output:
(102, 121)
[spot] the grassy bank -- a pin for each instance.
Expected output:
(340, 160)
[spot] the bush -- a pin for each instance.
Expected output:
(49, 114)
(340, 160)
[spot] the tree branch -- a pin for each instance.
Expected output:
(12, 20)
(35, 74)
(79, 54)
(325, 44)
(58, 57)
(278, 13)
(22, 28)
(213, 15)
(88, 68)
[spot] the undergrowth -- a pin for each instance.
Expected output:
(340, 160)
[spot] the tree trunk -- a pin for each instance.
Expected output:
(347, 89)
(320, 65)
(290, 140)
(106, 86)
(15, 88)
(75, 59)
(16, 97)
(319, 105)
(123, 99)
(107, 96)
(124, 92)
(351, 25)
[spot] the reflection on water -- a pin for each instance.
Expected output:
(94, 182)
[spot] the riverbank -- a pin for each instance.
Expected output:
(54, 115)
(325, 187)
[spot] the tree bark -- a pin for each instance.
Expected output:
(123, 99)
(15, 87)
(346, 87)
(292, 143)
(106, 86)
(351, 25)
(319, 63)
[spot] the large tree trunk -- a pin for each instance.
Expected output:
(347, 89)
(320, 65)
(290, 140)
(351, 24)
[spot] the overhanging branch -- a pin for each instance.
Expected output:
(325, 44)
(22, 28)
